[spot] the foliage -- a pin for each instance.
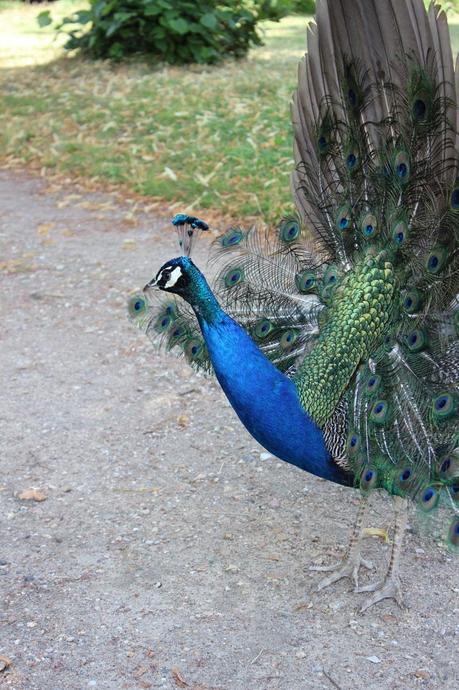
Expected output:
(173, 31)
(276, 9)
(214, 141)
(304, 6)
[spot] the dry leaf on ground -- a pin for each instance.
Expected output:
(178, 677)
(32, 495)
(4, 662)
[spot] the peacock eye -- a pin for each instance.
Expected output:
(368, 479)
(428, 500)
(136, 306)
(351, 160)
(419, 109)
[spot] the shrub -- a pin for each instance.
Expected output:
(175, 31)
(304, 6)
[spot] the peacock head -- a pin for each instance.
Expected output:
(181, 277)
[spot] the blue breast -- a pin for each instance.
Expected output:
(266, 401)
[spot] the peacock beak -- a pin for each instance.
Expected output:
(152, 284)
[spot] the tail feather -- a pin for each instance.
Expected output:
(376, 145)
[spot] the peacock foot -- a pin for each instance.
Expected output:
(390, 588)
(348, 567)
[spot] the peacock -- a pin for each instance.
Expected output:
(334, 335)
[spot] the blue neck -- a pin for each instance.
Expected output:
(265, 400)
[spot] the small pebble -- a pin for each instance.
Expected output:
(374, 659)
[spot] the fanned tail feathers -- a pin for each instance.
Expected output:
(376, 147)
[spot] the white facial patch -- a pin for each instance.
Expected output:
(174, 276)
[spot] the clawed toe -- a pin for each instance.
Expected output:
(389, 589)
(349, 567)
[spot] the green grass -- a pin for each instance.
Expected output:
(199, 138)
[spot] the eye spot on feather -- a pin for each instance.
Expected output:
(369, 226)
(306, 281)
(177, 332)
(136, 306)
(233, 277)
(353, 444)
(373, 383)
(193, 349)
(379, 413)
(453, 533)
(263, 328)
(351, 160)
(428, 499)
(231, 238)
(443, 406)
(400, 233)
(404, 480)
(419, 109)
(289, 230)
(352, 97)
(368, 479)
(343, 218)
(401, 166)
(330, 280)
(436, 260)
(287, 340)
(446, 464)
(412, 301)
(455, 199)
(163, 322)
(171, 310)
(416, 340)
(448, 467)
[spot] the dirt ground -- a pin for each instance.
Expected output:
(170, 552)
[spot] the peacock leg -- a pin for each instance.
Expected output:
(352, 561)
(390, 587)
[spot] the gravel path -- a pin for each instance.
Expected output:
(170, 552)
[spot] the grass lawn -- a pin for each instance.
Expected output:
(198, 138)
